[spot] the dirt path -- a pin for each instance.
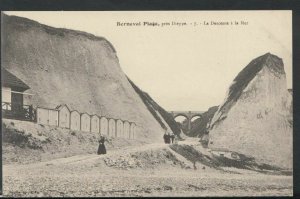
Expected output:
(88, 175)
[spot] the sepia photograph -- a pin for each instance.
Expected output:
(147, 103)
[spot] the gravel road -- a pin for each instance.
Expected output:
(88, 175)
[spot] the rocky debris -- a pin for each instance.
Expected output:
(98, 183)
(255, 118)
(144, 159)
(27, 142)
(146, 170)
(21, 138)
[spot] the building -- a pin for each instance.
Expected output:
(126, 129)
(132, 131)
(112, 127)
(63, 116)
(13, 91)
(95, 124)
(47, 116)
(85, 122)
(75, 121)
(120, 132)
(103, 126)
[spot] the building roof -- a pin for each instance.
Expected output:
(10, 80)
(59, 107)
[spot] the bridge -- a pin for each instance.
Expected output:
(189, 115)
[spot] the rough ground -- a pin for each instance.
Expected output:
(148, 170)
(27, 142)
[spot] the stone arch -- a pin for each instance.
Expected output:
(85, 123)
(75, 120)
(196, 115)
(120, 132)
(181, 114)
(111, 127)
(126, 129)
(95, 124)
(187, 119)
(104, 126)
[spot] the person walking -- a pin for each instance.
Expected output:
(165, 137)
(176, 139)
(172, 136)
(101, 147)
(168, 138)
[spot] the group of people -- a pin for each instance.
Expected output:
(170, 138)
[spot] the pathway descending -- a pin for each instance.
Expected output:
(90, 175)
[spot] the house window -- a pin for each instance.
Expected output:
(6, 98)
(6, 94)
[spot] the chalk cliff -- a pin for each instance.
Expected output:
(71, 67)
(255, 118)
(165, 119)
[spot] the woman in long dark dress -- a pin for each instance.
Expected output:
(101, 148)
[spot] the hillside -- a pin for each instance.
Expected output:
(255, 118)
(27, 142)
(165, 119)
(71, 67)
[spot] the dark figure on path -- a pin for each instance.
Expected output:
(172, 136)
(167, 138)
(101, 147)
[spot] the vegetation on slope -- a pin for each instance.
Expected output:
(153, 107)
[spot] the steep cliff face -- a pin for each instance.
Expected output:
(255, 118)
(165, 119)
(70, 67)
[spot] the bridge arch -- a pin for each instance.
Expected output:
(189, 115)
(194, 116)
(180, 114)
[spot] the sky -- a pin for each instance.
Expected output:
(183, 67)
